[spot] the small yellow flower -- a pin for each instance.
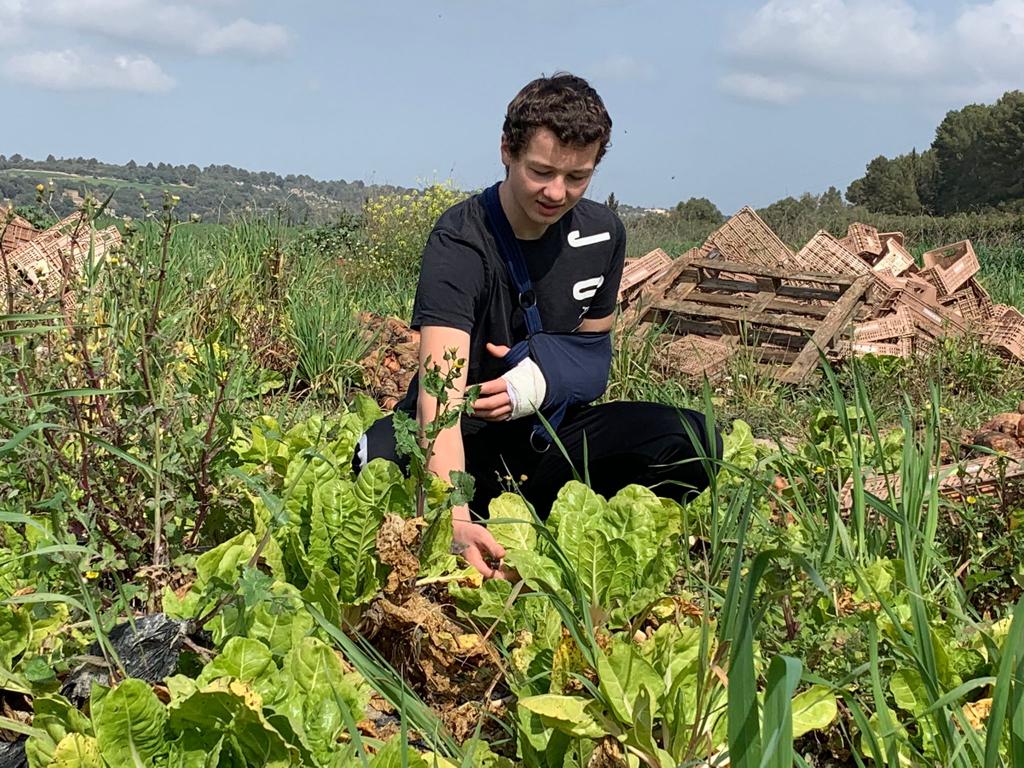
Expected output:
(92, 575)
(972, 500)
(819, 470)
(40, 188)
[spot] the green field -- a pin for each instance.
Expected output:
(183, 445)
(104, 182)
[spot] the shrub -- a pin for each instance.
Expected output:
(397, 227)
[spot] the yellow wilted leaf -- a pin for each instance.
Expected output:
(977, 712)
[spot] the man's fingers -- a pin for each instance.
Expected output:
(491, 403)
(498, 350)
(487, 540)
(493, 387)
(497, 414)
(474, 558)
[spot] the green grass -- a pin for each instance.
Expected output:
(771, 567)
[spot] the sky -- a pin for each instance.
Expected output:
(740, 101)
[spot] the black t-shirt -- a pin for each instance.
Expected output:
(575, 268)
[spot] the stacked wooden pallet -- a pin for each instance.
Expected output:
(860, 294)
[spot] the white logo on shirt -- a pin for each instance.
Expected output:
(575, 241)
(585, 289)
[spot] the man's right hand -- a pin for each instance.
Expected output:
(479, 546)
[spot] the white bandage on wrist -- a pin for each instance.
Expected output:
(526, 388)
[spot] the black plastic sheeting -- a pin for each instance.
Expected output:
(12, 754)
(149, 652)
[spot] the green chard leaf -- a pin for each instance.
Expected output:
(813, 710)
(242, 658)
(129, 722)
(77, 751)
(512, 535)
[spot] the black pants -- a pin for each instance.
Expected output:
(615, 443)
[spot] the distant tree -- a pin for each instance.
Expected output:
(612, 202)
(1003, 149)
(831, 201)
(959, 153)
(699, 209)
(888, 186)
(926, 178)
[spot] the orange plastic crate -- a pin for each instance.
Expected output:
(894, 326)
(746, 238)
(972, 302)
(950, 266)
(639, 271)
(863, 240)
(825, 254)
(16, 231)
(895, 258)
(694, 356)
(1007, 333)
(899, 237)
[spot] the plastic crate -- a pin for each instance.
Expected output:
(825, 254)
(746, 238)
(639, 271)
(863, 240)
(972, 302)
(43, 262)
(895, 259)
(898, 237)
(694, 356)
(898, 325)
(1007, 333)
(950, 266)
(902, 348)
(16, 231)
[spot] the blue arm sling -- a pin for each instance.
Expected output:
(575, 365)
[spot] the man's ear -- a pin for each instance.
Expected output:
(506, 156)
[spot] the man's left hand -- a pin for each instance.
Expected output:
(494, 404)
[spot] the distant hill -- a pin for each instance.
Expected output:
(215, 192)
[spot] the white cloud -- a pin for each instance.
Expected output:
(623, 68)
(871, 49)
(10, 20)
(751, 87)
(994, 35)
(179, 25)
(76, 70)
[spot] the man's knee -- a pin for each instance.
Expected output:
(378, 442)
(699, 446)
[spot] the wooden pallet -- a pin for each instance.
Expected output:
(784, 318)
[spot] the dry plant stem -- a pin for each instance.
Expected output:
(203, 481)
(149, 331)
(428, 452)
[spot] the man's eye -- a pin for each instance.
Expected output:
(540, 173)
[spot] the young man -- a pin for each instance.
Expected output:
(555, 133)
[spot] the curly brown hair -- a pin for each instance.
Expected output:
(566, 105)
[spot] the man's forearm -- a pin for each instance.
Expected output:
(449, 456)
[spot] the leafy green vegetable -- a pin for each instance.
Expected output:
(129, 722)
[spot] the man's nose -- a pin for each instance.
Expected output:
(555, 190)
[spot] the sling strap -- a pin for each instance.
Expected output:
(575, 365)
(512, 255)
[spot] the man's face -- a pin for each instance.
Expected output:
(546, 180)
